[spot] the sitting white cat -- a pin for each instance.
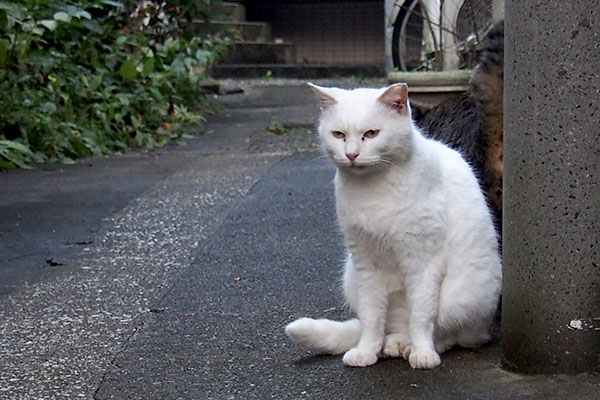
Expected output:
(423, 271)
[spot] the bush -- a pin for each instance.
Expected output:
(87, 77)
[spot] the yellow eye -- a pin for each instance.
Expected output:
(371, 133)
(338, 134)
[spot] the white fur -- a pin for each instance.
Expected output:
(423, 271)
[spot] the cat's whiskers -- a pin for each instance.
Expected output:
(320, 157)
(375, 162)
(383, 162)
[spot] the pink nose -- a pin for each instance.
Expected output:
(352, 156)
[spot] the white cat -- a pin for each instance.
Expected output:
(423, 271)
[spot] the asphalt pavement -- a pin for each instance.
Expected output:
(171, 274)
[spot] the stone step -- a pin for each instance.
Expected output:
(246, 31)
(226, 10)
(300, 71)
(432, 88)
(260, 53)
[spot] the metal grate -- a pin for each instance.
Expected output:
(474, 18)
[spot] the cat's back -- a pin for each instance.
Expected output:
(461, 188)
(470, 230)
(451, 164)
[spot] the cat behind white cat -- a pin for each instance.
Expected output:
(423, 271)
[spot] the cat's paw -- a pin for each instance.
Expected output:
(359, 358)
(424, 359)
(396, 345)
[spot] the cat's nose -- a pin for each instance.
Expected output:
(352, 156)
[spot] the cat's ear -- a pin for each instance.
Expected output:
(396, 97)
(324, 98)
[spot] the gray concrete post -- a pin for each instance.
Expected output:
(551, 237)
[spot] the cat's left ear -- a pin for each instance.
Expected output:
(396, 97)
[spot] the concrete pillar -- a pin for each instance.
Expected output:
(551, 237)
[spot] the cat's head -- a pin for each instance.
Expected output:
(365, 130)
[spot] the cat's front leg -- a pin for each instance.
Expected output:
(397, 340)
(423, 288)
(370, 303)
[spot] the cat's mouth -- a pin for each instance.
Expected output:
(353, 166)
(358, 167)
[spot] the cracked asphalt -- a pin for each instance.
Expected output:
(170, 274)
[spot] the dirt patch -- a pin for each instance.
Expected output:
(277, 138)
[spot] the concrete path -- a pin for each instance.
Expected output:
(170, 275)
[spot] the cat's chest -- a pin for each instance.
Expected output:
(389, 216)
(367, 210)
(375, 211)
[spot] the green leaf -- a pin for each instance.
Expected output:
(83, 14)
(6, 6)
(14, 10)
(135, 123)
(10, 144)
(15, 154)
(96, 82)
(80, 147)
(48, 107)
(4, 45)
(112, 3)
(37, 30)
(123, 99)
(3, 21)
(6, 164)
(203, 56)
(148, 66)
(67, 160)
(92, 146)
(93, 26)
(43, 60)
(50, 24)
(128, 68)
(27, 26)
(85, 81)
(62, 16)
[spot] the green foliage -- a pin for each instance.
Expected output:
(276, 127)
(84, 77)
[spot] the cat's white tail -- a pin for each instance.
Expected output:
(324, 335)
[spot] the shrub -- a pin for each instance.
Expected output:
(87, 77)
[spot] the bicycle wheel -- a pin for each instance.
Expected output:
(407, 38)
(412, 51)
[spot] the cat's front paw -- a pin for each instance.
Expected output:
(424, 359)
(359, 358)
(396, 345)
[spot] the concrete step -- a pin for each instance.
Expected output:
(245, 31)
(260, 53)
(432, 88)
(300, 71)
(227, 10)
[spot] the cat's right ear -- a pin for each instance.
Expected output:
(396, 97)
(324, 98)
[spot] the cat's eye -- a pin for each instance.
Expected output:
(371, 133)
(338, 134)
